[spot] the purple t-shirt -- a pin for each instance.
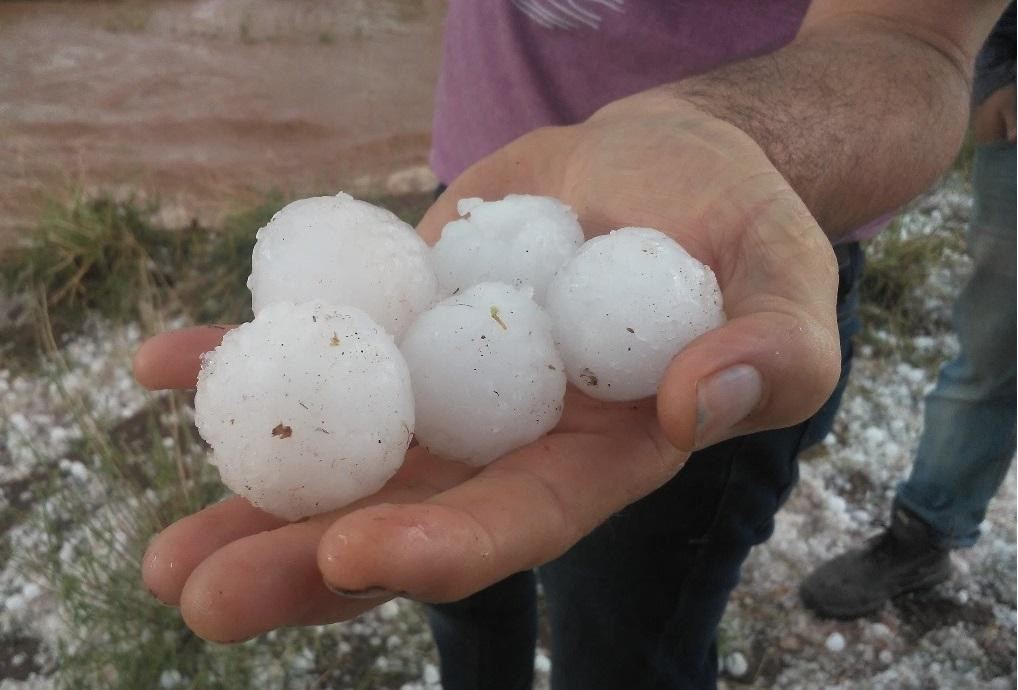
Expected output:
(510, 66)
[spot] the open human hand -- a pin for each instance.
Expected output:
(439, 531)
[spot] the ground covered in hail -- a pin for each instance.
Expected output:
(90, 466)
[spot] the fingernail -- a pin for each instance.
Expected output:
(367, 593)
(725, 399)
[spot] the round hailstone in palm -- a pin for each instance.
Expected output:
(624, 306)
(486, 376)
(520, 240)
(343, 251)
(307, 408)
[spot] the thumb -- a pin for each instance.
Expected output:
(763, 370)
(778, 357)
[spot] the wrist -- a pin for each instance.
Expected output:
(682, 163)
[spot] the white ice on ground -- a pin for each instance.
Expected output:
(307, 408)
(170, 679)
(736, 664)
(835, 642)
(624, 306)
(486, 376)
(343, 251)
(520, 240)
(431, 676)
(542, 662)
(389, 610)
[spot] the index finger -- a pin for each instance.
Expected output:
(522, 510)
(172, 359)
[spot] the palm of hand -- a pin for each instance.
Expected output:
(439, 531)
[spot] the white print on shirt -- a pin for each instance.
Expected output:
(568, 14)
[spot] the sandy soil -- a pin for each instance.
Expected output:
(205, 104)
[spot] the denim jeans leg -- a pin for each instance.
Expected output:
(968, 438)
(487, 641)
(635, 605)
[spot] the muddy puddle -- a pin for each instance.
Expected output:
(208, 104)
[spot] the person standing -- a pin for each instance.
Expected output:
(761, 137)
(968, 438)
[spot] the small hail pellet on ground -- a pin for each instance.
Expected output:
(343, 251)
(486, 376)
(307, 408)
(624, 306)
(520, 240)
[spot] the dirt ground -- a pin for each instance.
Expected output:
(208, 104)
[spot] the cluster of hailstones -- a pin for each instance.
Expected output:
(364, 337)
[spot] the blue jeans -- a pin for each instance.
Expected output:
(636, 603)
(968, 436)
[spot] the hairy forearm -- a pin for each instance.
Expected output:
(859, 119)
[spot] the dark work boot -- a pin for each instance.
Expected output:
(904, 558)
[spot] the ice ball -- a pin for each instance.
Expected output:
(486, 376)
(520, 240)
(307, 408)
(624, 306)
(343, 251)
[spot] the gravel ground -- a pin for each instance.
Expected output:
(959, 635)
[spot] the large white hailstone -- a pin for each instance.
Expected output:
(486, 376)
(307, 408)
(343, 251)
(624, 306)
(520, 240)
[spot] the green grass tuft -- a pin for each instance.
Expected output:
(215, 283)
(101, 256)
(109, 257)
(895, 281)
(95, 255)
